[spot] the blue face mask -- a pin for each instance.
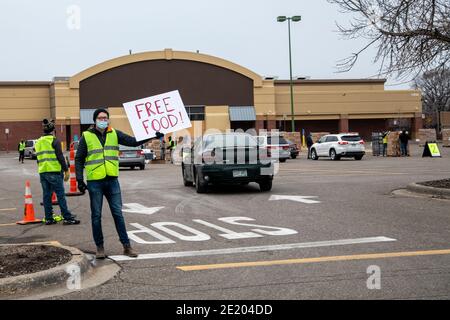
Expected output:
(101, 124)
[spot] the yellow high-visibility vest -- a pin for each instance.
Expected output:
(102, 161)
(46, 155)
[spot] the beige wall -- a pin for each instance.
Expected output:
(354, 103)
(65, 103)
(217, 117)
(119, 120)
(264, 99)
(24, 102)
(308, 86)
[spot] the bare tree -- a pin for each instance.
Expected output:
(412, 36)
(435, 87)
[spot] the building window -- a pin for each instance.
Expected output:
(196, 113)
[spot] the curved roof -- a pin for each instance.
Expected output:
(167, 54)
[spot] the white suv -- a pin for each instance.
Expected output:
(30, 151)
(336, 146)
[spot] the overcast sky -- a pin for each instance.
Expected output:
(41, 39)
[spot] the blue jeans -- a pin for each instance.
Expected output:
(110, 188)
(384, 149)
(53, 182)
(404, 148)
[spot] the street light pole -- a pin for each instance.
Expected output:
(294, 19)
(290, 78)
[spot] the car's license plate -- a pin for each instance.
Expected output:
(239, 173)
(129, 155)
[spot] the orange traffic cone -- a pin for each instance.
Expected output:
(73, 191)
(28, 211)
(54, 200)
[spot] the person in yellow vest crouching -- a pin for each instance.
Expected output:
(98, 153)
(51, 165)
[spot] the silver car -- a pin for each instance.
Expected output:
(131, 157)
(277, 147)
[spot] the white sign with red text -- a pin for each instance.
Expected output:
(164, 113)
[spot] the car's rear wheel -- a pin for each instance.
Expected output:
(142, 167)
(333, 155)
(265, 185)
(358, 157)
(314, 154)
(283, 160)
(293, 156)
(199, 186)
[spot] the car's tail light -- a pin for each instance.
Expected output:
(140, 152)
(361, 141)
(264, 154)
(120, 154)
(343, 142)
(285, 147)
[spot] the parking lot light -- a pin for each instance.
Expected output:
(294, 19)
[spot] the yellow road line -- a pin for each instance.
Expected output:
(314, 260)
(8, 224)
(341, 171)
(8, 209)
(51, 242)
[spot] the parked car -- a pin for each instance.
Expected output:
(148, 154)
(277, 147)
(232, 158)
(337, 146)
(131, 157)
(293, 149)
(30, 151)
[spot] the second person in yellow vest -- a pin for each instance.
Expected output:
(51, 165)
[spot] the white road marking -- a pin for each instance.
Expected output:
(303, 199)
(253, 249)
(138, 208)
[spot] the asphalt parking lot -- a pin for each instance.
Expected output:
(318, 234)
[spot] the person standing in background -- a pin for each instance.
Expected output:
(385, 143)
(404, 137)
(21, 149)
(309, 143)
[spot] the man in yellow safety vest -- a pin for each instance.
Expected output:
(98, 153)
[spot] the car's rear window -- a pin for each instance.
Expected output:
(351, 138)
(276, 140)
(220, 141)
(28, 143)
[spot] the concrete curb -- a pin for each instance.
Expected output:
(438, 192)
(14, 287)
